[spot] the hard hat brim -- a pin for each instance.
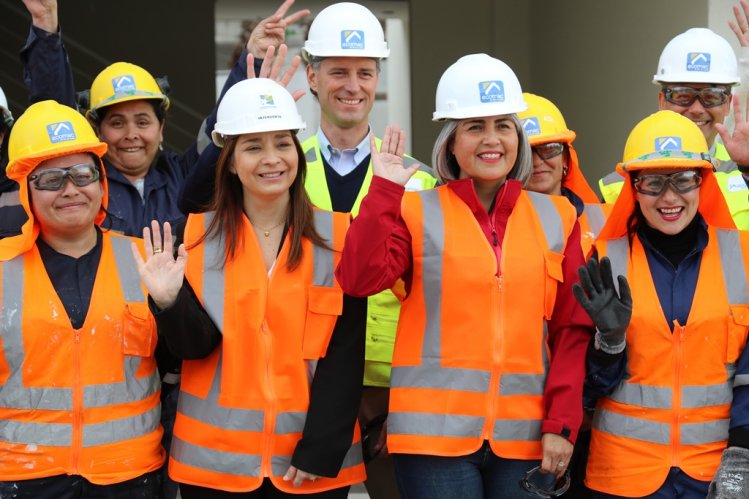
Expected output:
(566, 137)
(19, 169)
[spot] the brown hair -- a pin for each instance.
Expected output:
(228, 206)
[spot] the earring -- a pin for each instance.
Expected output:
(161, 147)
(564, 171)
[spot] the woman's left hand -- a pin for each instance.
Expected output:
(161, 272)
(557, 453)
(298, 476)
(388, 161)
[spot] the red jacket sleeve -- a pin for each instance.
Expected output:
(570, 330)
(378, 245)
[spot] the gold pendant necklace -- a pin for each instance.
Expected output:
(266, 232)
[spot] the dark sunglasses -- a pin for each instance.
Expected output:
(655, 184)
(548, 151)
(545, 485)
(685, 96)
(54, 178)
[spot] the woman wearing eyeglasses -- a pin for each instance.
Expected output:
(489, 354)
(556, 169)
(79, 386)
(672, 329)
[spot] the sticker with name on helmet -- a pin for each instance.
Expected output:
(60, 132)
(123, 83)
(671, 143)
(492, 91)
(698, 61)
(531, 126)
(352, 39)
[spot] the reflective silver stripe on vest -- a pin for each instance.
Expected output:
(435, 425)
(618, 253)
(213, 275)
(434, 247)
(550, 220)
(741, 380)
(522, 384)
(596, 218)
(695, 396)
(629, 427)
(732, 261)
(353, 457)
(442, 378)
(653, 397)
(290, 422)
(704, 433)
(323, 266)
(612, 178)
(528, 430)
(232, 463)
(15, 396)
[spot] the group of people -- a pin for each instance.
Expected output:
(264, 317)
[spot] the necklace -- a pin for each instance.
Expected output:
(266, 232)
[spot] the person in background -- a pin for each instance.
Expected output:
(80, 386)
(556, 169)
(343, 77)
(668, 360)
(11, 210)
(273, 360)
(475, 404)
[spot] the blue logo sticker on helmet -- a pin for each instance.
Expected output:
(60, 132)
(670, 143)
(531, 126)
(352, 39)
(124, 83)
(266, 100)
(492, 91)
(698, 61)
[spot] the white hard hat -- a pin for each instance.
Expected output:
(255, 105)
(346, 30)
(5, 115)
(697, 56)
(477, 85)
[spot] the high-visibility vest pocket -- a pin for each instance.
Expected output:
(139, 332)
(324, 306)
(738, 326)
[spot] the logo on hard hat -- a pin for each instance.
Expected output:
(668, 143)
(492, 91)
(531, 126)
(352, 39)
(698, 61)
(266, 100)
(124, 83)
(60, 132)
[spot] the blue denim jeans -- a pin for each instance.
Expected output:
(678, 485)
(481, 475)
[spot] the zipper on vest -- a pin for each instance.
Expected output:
(77, 416)
(678, 339)
(270, 414)
(494, 376)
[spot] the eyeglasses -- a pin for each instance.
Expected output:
(685, 96)
(655, 184)
(54, 178)
(545, 485)
(548, 151)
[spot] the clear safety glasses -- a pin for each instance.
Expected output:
(548, 151)
(545, 485)
(655, 184)
(54, 178)
(685, 96)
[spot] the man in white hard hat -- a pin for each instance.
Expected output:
(696, 72)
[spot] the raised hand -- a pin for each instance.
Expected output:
(610, 311)
(737, 143)
(388, 161)
(43, 14)
(741, 26)
(271, 68)
(271, 31)
(161, 273)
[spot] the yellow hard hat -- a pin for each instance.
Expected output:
(665, 140)
(543, 122)
(122, 82)
(48, 130)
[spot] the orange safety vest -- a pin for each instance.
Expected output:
(78, 401)
(592, 220)
(471, 355)
(242, 409)
(673, 408)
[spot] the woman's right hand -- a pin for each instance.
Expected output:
(388, 161)
(161, 273)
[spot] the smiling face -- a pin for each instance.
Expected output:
(548, 174)
(345, 88)
(133, 133)
(70, 211)
(704, 117)
(266, 164)
(486, 149)
(669, 212)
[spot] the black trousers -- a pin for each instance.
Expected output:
(266, 491)
(146, 486)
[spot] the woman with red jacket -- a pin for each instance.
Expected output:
(489, 357)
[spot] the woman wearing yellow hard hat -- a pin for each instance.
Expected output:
(669, 360)
(556, 169)
(79, 401)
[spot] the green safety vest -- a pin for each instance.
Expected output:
(383, 308)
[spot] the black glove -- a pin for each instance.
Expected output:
(731, 481)
(610, 311)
